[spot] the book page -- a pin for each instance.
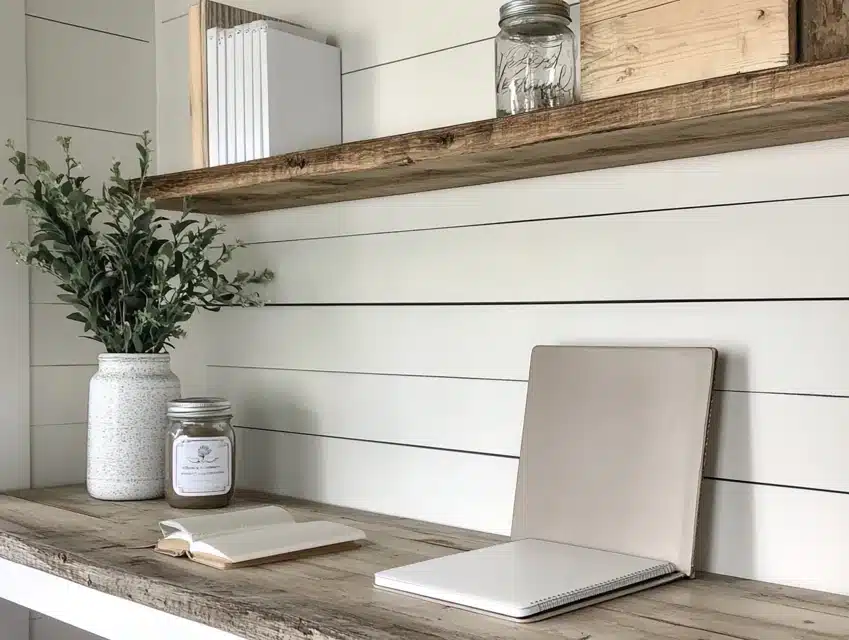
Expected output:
(276, 539)
(198, 527)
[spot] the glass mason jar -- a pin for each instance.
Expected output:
(534, 57)
(200, 455)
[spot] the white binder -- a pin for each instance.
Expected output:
(239, 88)
(256, 66)
(212, 94)
(230, 61)
(302, 91)
(222, 96)
(247, 64)
(607, 490)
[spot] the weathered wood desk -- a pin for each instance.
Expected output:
(63, 536)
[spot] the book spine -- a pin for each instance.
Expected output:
(263, 66)
(212, 95)
(222, 96)
(239, 88)
(230, 60)
(256, 70)
(247, 64)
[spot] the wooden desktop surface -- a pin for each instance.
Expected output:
(98, 544)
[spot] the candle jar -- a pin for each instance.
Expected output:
(200, 455)
(534, 57)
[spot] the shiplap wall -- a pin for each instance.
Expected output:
(14, 311)
(90, 75)
(99, 55)
(389, 374)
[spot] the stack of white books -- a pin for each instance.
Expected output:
(271, 88)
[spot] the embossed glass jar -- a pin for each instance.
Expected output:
(534, 57)
(200, 454)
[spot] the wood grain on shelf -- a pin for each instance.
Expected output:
(96, 544)
(794, 104)
(645, 44)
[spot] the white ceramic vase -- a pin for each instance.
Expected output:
(127, 424)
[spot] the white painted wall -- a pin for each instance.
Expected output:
(100, 56)
(14, 312)
(90, 75)
(390, 372)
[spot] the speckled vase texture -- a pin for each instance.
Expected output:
(127, 423)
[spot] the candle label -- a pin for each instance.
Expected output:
(201, 466)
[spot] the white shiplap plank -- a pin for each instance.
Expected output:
(452, 83)
(766, 438)
(779, 439)
(58, 455)
(459, 489)
(170, 9)
(789, 347)
(14, 310)
(437, 90)
(470, 415)
(86, 78)
(60, 394)
(373, 32)
(95, 149)
(188, 358)
(775, 534)
(173, 133)
(742, 176)
(131, 18)
(708, 253)
(56, 340)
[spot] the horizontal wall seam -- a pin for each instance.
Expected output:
(57, 424)
(79, 126)
(384, 442)
(85, 28)
(167, 20)
(418, 55)
(478, 379)
(556, 218)
(777, 485)
(548, 303)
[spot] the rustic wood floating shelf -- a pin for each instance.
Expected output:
(793, 104)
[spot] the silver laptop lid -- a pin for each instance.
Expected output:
(613, 449)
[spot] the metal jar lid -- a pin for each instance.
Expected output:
(187, 408)
(530, 8)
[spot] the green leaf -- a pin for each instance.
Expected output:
(77, 317)
(178, 227)
(12, 200)
(99, 284)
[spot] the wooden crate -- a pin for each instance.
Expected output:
(823, 30)
(634, 45)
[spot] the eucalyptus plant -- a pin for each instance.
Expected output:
(133, 277)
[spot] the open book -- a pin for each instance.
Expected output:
(249, 537)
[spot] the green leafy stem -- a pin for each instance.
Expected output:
(133, 277)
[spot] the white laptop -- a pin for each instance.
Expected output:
(607, 491)
(524, 578)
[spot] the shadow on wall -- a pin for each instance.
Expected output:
(728, 504)
(285, 463)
